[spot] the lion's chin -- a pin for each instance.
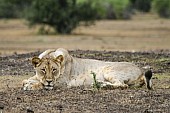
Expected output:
(48, 87)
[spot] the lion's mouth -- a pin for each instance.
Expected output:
(48, 87)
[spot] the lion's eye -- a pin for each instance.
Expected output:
(54, 70)
(43, 70)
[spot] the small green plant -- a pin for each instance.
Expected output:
(96, 84)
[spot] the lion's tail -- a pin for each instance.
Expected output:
(148, 75)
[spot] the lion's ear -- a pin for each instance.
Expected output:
(36, 61)
(59, 58)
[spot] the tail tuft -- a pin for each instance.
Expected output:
(148, 76)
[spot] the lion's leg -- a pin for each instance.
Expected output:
(141, 81)
(32, 84)
(145, 80)
(114, 84)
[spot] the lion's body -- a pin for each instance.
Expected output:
(76, 72)
(105, 71)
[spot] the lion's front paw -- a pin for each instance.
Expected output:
(32, 85)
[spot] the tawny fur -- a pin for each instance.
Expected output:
(58, 67)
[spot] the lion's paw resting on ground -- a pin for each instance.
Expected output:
(32, 85)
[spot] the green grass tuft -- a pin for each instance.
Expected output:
(96, 84)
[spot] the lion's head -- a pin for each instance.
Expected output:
(48, 70)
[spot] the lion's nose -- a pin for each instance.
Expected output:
(49, 81)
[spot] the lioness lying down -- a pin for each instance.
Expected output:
(59, 68)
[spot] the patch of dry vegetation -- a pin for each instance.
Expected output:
(145, 32)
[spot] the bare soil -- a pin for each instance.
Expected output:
(74, 100)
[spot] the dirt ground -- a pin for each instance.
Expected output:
(63, 100)
(144, 40)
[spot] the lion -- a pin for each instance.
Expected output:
(58, 68)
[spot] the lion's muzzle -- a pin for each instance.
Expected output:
(49, 84)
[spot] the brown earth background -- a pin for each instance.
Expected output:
(144, 40)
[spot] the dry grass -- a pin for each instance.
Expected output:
(139, 34)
